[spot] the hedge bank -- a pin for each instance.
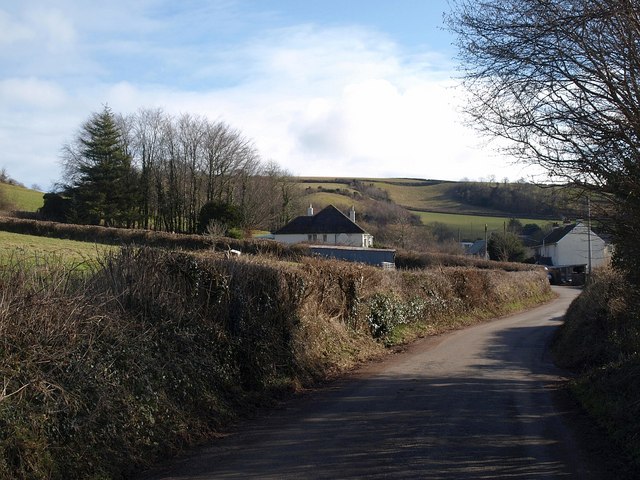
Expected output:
(600, 341)
(106, 371)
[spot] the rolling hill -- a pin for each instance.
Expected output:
(431, 200)
(21, 198)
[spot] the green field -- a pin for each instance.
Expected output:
(321, 199)
(428, 199)
(21, 198)
(471, 227)
(69, 251)
(413, 194)
(432, 197)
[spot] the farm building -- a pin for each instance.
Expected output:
(568, 251)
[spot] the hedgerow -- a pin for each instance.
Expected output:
(106, 370)
(600, 341)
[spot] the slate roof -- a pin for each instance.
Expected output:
(558, 234)
(327, 220)
(477, 248)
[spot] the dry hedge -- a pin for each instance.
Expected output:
(105, 371)
(600, 339)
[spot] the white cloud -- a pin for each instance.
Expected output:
(23, 93)
(55, 28)
(319, 101)
(44, 27)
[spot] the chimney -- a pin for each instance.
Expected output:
(352, 214)
(310, 211)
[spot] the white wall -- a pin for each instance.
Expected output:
(349, 239)
(573, 249)
(290, 239)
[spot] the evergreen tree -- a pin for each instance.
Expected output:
(104, 187)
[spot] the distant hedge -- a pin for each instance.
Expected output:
(416, 260)
(172, 241)
(149, 238)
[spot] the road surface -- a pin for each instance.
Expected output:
(476, 403)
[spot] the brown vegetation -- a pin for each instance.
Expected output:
(419, 260)
(110, 369)
(600, 340)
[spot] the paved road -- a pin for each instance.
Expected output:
(469, 405)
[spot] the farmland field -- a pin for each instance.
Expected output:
(69, 251)
(319, 199)
(471, 227)
(429, 199)
(22, 198)
(413, 194)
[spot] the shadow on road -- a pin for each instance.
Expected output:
(390, 427)
(475, 406)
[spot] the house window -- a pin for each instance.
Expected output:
(324, 238)
(309, 237)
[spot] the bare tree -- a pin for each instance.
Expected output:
(180, 164)
(274, 197)
(560, 80)
(191, 132)
(147, 144)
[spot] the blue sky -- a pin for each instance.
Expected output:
(339, 88)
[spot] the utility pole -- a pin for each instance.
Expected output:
(589, 237)
(486, 252)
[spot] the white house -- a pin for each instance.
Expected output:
(329, 226)
(572, 245)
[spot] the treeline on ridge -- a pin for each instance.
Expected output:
(518, 198)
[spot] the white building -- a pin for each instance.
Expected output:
(329, 226)
(572, 245)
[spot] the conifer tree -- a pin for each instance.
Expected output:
(104, 187)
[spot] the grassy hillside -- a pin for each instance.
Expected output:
(71, 251)
(429, 199)
(414, 194)
(471, 227)
(22, 198)
(429, 196)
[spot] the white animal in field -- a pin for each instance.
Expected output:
(231, 252)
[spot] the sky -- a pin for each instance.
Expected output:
(344, 88)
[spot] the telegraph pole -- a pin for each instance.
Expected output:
(589, 237)
(486, 252)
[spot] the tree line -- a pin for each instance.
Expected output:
(518, 198)
(180, 173)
